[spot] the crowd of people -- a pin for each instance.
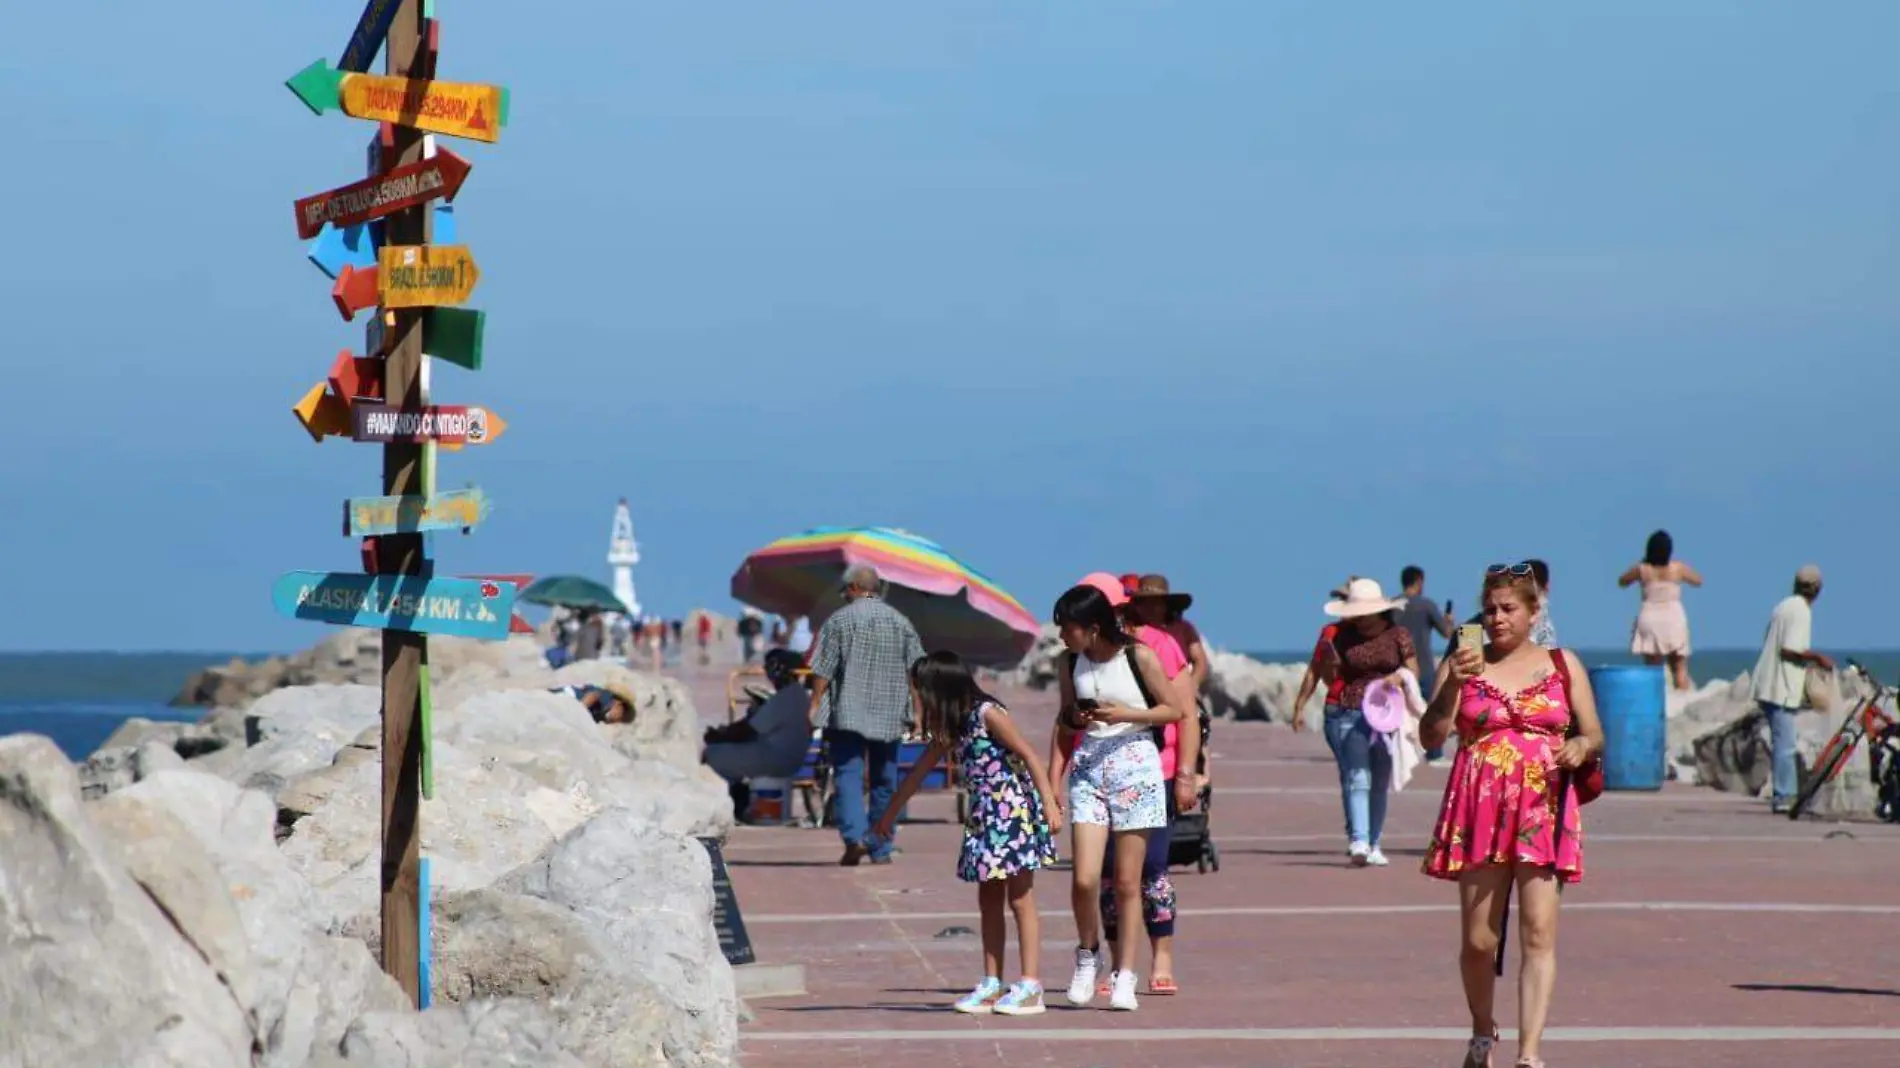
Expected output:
(1127, 756)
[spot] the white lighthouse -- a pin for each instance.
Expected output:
(622, 553)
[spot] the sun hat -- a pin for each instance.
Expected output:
(1109, 585)
(1157, 586)
(1383, 706)
(1363, 598)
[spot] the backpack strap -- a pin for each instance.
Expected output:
(1134, 668)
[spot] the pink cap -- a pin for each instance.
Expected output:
(1110, 586)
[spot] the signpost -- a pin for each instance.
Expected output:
(355, 246)
(414, 604)
(386, 241)
(408, 276)
(728, 923)
(367, 39)
(459, 109)
(449, 424)
(365, 517)
(454, 335)
(439, 177)
(352, 377)
(322, 414)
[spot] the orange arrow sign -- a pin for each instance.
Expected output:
(322, 414)
(484, 426)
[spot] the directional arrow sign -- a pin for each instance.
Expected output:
(484, 426)
(455, 510)
(408, 276)
(452, 334)
(383, 194)
(468, 608)
(352, 377)
(446, 424)
(371, 28)
(460, 109)
(322, 414)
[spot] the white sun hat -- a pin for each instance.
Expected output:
(1363, 598)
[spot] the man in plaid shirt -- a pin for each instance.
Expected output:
(860, 679)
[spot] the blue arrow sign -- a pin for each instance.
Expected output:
(466, 608)
(355, 246)
(371, 29)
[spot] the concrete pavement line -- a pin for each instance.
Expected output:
(1379, 910)
(1334, 1034)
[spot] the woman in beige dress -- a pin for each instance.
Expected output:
(1661, 633)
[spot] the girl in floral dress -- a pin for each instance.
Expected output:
(1510, 820)
(1010, 829)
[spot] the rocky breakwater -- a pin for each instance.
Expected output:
(1718, 737)
(218, 905)
(1239, 687)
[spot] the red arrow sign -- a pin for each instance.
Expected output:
(351, 377)
(384, 194)
(354, 290)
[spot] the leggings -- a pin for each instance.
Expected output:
(1157, 891)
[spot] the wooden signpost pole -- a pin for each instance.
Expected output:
(404, 652)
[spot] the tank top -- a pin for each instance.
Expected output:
(1110, 682)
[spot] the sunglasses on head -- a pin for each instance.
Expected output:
(1508, 569)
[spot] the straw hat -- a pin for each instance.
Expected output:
(1157, 586)
(1363, 598)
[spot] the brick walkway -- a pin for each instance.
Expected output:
(1706, 933)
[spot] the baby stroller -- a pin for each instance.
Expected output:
(1190, 842)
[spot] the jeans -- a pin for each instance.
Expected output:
(1781, 741)
(850, 753)
(1365, 772)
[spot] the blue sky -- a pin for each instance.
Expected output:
(1253, 293)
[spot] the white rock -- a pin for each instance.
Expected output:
(95, 973)
(650, 893)
(488, 1034)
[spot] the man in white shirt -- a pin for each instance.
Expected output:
(1779, 683)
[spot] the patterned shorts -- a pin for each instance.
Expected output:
(1116, 782)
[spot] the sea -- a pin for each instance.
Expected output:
(79, 699)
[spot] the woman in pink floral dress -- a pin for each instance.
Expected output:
(1510, 817)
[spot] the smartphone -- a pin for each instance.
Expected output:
(1470, 635)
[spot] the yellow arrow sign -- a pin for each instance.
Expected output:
(322, 413)
(425, 276)
(459, 109)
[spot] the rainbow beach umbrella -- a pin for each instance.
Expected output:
(952, 605)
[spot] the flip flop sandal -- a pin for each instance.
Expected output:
(1162, 985)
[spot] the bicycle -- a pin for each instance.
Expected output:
(1866, 720)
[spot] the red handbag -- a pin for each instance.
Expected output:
(1588, 779)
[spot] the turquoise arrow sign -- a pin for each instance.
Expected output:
(466, 608)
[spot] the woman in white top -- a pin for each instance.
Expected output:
(1113, 790)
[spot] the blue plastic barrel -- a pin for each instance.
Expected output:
(1635, 717)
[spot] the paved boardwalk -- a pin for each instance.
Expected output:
(1705, 933)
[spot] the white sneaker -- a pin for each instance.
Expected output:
(1358, 853)
(1082, 984)
(1376, 858)
(1123, 995)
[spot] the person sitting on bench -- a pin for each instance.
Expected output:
(773, 738)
